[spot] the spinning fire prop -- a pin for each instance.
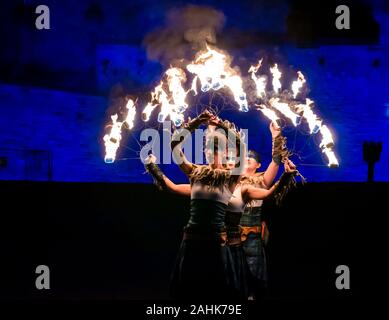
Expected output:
(212, 70)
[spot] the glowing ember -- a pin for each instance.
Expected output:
(298, 84)
(276, 78)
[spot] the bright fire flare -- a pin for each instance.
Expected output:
(285, 110)
(214, 72)
(276, 78)
(260, 82)
(270, 114)
(147, 111)
(332, 161)
(327, 140)
(314, 122)
(175, 78)
(112, 140)
(298, 84)
(130, 114)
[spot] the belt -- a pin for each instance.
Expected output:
(221, 236)
(262, 229)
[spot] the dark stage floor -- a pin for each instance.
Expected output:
(119, 241)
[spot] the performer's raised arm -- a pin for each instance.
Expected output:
(179, 136)
(279, 154)
(278, 189)
(162, 181)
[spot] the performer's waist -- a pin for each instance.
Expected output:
(195, 233)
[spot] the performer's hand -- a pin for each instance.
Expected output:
(150, 159)
(205, 116)
(274, 129)
(289, 166)
(214, 121)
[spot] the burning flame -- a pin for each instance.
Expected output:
(147, 111)
(270, 114)
(175, 78)
(327, 145)
(298, 84)
(332, 161)
(276, 78)
(130, 114)
(112, 140)
(285, 110)
(314, 122)
(327, 140)
(214, 72)
(260, 82)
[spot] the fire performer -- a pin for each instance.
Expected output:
(254, 231)
(204, 266)
(236, 205)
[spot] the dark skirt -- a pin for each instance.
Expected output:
(241, 272)
(241, 269)
(204, 270)
(254, 249)
(256, 259)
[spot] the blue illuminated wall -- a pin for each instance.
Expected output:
(56, 89)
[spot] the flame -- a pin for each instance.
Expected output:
(130, 114)
(174, 104)
(112, 140)
(332, 161)
(327, 145)
(175, 78)
(194, 85)
(146, 113)
(270, 114)
(276, 78)
(260, 82)
(214, 72)
(298, 84)
(285, 110)
(313, 120)
(327, 140)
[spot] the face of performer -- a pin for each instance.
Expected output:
(231, 158)
(215, 151)
(251, 165)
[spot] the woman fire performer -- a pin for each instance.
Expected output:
(235, 208)
(204, 266)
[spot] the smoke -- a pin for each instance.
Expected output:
(186, 31)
